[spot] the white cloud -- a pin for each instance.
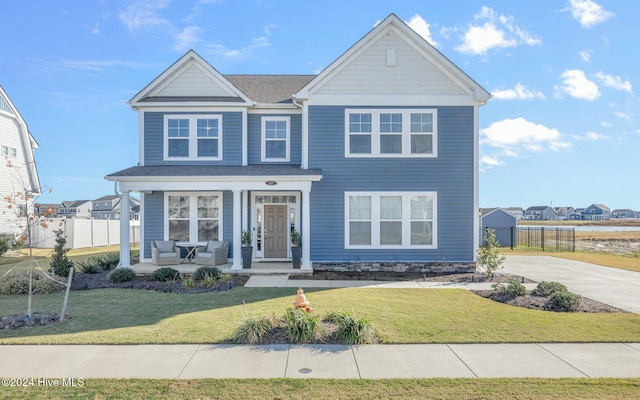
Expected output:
(489, 161)
(592, 136)
(219, 50)
(588, 12)
(185, 40)
(518, 137)
(614, 82)
(494, 31)
(585, 55)
(96, 65)
(418, 24)
(576, 84)
(520, 92)
(142, 14)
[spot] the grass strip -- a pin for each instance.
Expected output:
(309, 389)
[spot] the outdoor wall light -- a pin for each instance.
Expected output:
(271, 183)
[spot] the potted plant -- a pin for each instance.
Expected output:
(247, 249)
(296, 250)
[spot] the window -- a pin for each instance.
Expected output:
(391, 133)
(275, 138)
(193, 137)
(194, 218)
(5, 151)
(390, 220)
(14, 152)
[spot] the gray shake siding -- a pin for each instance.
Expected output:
(231, 139)
(450, 175)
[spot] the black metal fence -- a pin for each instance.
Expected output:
(539, 238)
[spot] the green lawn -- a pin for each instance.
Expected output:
(399, 316)
(310, 389)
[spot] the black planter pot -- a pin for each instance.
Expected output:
(296, 255)
(247, 254)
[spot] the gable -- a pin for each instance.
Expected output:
(393, 60)
(190, 80)
(412, 73)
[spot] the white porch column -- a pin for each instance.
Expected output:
(305, 263)
(125, 243)
(237, 229)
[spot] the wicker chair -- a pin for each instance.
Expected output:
(215, 253)
(164, 252)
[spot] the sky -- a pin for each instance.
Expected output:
(562, 128)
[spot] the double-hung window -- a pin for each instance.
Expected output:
(192, 137)
(193, 217)
(392, 220)
(391, 133)
(276, 139)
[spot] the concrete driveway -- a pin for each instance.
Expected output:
(616, 287)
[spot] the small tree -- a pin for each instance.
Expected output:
(60, 263)
(489, 257)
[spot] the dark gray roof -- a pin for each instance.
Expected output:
(270, 89)
(215, 170)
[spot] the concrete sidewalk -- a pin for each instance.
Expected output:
(547, 360)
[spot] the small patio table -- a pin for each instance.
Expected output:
(191, 249)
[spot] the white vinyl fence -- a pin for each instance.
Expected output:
(83, 233)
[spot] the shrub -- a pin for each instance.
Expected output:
(513, 288)
(202, 272)
(60, 263)
(18, 283)
(122, 275)
(165, 274)
(106, 261)
(88, 267)
(188, 281)
(5, 244)
(489, 257)
(351, 329)
(253, 330)
(564, 301)
(546, 289)
(302, 327)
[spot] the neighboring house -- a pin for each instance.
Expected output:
(623, 213)
(562, 213)
(539, 213)
(517, 212)
(18, 173)
(46, 210)
(75, 209)
(503, 224)
(109, 207)
(374, 160)
(596, 212)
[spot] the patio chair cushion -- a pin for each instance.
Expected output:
(213, 245)
(165, 246)
(167, 255)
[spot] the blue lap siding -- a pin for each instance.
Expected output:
(450, 174)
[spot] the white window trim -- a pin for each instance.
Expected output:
(375, 132)
(263, 145)
(193, 136)
(406, 220)
(193, 213)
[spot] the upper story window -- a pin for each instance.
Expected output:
(276, 138)
(391, 133)
(191, 137)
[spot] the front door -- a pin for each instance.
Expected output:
(275, 231)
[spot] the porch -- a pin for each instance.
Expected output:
(257, 268)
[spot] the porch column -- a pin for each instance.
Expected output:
(305, 263)
(237, 229)
(125, 244)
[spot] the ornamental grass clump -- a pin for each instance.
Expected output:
(254, 329)
(302, 326)
(352, 329)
